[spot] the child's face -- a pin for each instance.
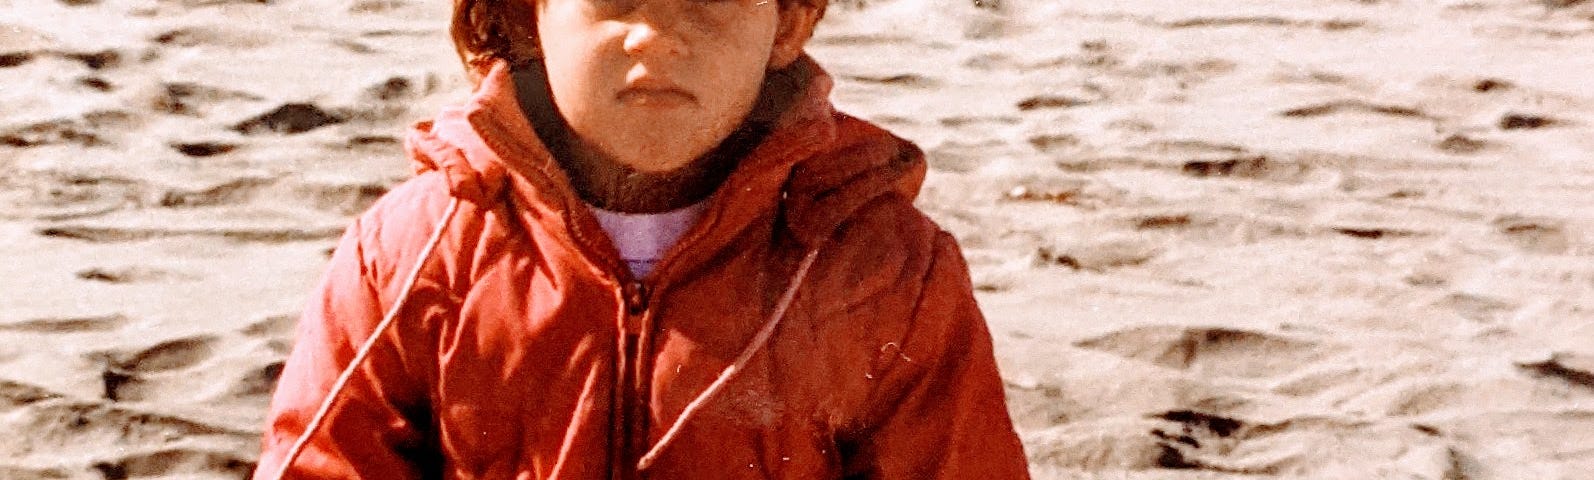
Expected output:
(654, 84)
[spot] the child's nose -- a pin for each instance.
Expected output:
(651, 33)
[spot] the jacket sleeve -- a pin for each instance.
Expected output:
(367, 433)
(939, 403)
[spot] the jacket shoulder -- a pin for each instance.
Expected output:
(884, 249)
(395, 229)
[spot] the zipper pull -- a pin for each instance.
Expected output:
(636, 304)
(636, 297)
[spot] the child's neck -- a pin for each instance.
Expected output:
(610, 185)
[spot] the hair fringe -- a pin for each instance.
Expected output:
(482, 35)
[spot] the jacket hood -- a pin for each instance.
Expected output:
(815, 166)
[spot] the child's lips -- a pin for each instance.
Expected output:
(646, 91)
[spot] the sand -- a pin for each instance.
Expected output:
(1241, 239)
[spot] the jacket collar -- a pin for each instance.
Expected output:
(814, 166)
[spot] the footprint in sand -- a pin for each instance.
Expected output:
(346, 198)
(1462, 144)
(225, 36)
(1539, 235)
(1039, 404)
(1318, 379)
(1309, 446)
(32, 473)
(907, 80)
(863, 40)
(133, 274)
(1096, 54)
(1375, 232)
(104, 323)
(380, 103)
(1093, 164)
(15, 59)
(16, 394)
(1110, 445)
(354, 46)
(51, 132)
(127, 376)
(1355, 106)
(203, 149)
(373, 141)
(219, 3)
(1574, 368)
(1070, 191)
(96, 83)
(1214, 351)
(123, 442)
(21, 41)
(1193, 430)
(1250, 167)
(1476, 307)
(64, 425)
(377, 6)
(399, 87)
(253, 384)
(99, 60)
(59, 196)
(989, 61)
(961, 156)
(272, 326)
(1100, 254)
(257, 383)
(1199, 159)
(231, 192)
(276, 330)
(1055, 142)
(176, 354)
(82, 131)
(172, 462)
(1040, 102)
(116, 234)
(184, 98)
(1526, 121)
(956, 121)
(1262, 21)
(1208, 226)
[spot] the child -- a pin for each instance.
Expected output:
(647, 247)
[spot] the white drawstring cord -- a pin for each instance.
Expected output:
(741, 362)
(365, 349)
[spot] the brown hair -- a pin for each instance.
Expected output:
(489, 30)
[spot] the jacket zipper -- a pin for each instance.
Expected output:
(629, 420)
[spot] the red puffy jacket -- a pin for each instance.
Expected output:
(521, 348)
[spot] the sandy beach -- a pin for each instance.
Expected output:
(1339, 239)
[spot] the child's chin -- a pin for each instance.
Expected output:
(656, 160)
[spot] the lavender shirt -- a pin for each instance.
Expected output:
(643, 238)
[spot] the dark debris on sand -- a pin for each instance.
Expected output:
(1575, 369)
(290, 118)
